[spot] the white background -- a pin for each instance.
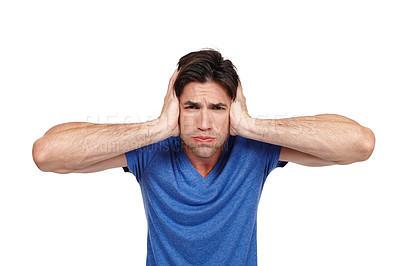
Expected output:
(110, 62)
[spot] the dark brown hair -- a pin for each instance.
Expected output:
(204, 66)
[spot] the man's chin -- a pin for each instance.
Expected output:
(204, 152)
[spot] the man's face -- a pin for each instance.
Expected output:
(204, 118)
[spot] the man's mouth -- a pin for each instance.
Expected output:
(203, 138)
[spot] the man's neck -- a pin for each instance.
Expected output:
(202, 165)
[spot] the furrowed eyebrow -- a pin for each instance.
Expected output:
(213, 105)
(218, 105)
(191, 103)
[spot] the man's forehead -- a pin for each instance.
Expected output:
(210, 92)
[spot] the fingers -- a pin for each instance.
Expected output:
(173, 77)
(239, 91)
(172, 81)
(240, 88)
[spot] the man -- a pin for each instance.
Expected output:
(203, 163)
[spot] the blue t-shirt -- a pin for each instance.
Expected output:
(194, 220)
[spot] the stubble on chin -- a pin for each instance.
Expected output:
(204, 152)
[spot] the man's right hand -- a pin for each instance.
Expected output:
(170, 111)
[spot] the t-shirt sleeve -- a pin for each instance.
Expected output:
(269, 153)
(137, 160)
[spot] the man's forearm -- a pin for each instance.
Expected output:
(330, 137)
(74, 146)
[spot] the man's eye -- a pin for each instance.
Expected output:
(190, 107)
(219, 108)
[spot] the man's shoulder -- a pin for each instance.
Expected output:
(245, 142)
(244, 145)
(250, 149)
(139, 159)
(239, 145)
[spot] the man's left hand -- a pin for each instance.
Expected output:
(239, 117)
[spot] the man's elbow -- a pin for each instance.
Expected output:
(39, 155)
(367, 144)
(42, 157)
(362, 148)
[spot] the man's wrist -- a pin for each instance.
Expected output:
(166, 129)
(258, 129)
(246, 126)
(148, 132)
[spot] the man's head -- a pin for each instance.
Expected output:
(207, 66)
(206, 85)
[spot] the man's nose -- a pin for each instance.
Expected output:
(205, 120)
